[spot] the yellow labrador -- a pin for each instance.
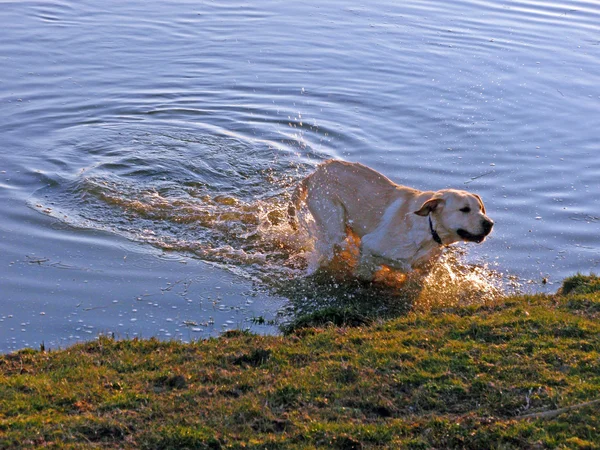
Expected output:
(399, 227)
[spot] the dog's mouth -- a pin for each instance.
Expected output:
(478, 238)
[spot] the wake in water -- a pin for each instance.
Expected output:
(224, 200)
(221, 228)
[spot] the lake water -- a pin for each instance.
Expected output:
(148, 148)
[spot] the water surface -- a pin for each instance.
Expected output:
(148, 148)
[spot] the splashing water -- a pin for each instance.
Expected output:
(220, 228)
(221, 198)
(452, 282)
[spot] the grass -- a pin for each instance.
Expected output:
(452, 377)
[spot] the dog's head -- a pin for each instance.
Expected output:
(459, 216)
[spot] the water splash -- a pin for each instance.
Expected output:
(221, 198)
(453, 282)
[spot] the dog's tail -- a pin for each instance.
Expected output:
(298, 197)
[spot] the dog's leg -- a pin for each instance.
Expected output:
(366, 267)
(371, 257)
(367, 260)
(330, 219)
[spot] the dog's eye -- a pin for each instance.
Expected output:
(466, 209)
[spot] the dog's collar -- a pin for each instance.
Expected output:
(434, 234)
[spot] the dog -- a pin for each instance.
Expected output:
(399, 227)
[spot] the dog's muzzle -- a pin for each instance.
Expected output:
(486, 226)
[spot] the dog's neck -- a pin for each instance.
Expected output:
(434, 234)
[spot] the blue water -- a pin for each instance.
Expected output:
(148, 148)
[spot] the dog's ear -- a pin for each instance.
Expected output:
(429, 206)
(480, 203)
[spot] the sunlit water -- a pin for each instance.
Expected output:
(149, 149)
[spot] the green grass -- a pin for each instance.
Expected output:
(457, 377)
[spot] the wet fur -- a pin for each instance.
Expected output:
(392, 221)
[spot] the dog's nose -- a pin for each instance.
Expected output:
(487, 225)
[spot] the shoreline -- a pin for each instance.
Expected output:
(520, 373)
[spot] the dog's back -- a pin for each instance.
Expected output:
(362, 192)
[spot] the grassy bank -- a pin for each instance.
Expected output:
(500, 376)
